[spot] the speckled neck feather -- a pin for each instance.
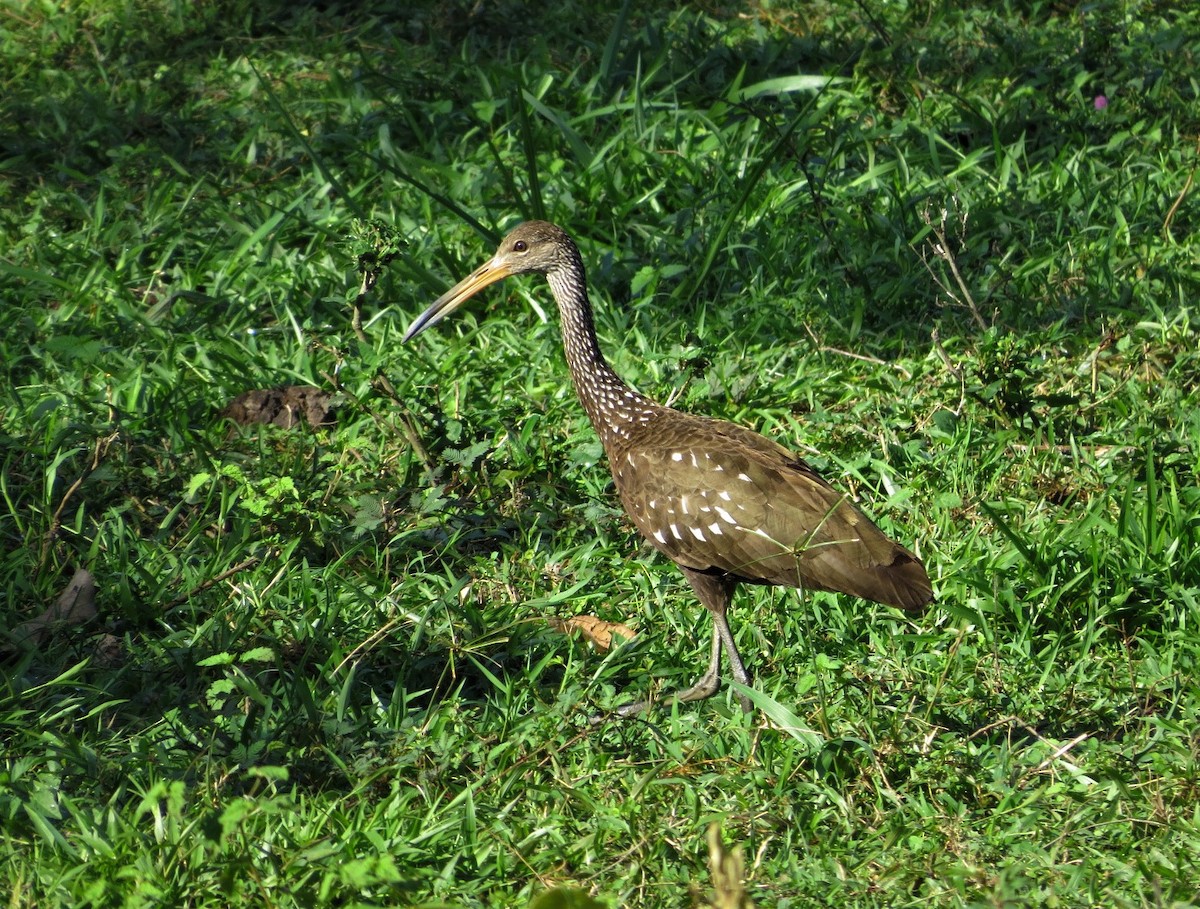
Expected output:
(611, 405)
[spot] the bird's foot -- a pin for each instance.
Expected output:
(708, 685)
(621, 713)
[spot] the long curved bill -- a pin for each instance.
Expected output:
(488, 273)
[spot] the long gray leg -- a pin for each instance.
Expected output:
(715, 593)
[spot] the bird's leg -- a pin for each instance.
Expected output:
(740, 675)
(708, 684)
(715, 593)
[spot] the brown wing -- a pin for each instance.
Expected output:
(715, 496)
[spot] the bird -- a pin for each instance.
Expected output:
(726, 504)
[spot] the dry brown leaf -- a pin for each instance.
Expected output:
(595, 631)
(285, 406)
(109, 651)
(75, 605)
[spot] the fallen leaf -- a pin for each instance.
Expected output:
(285, 406)
(595, 631)
(75, 605)
(109, 651)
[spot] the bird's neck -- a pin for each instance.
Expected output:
(611, 405)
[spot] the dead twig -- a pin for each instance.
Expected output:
(1187, 186)
(728, 870)
(98, 453)
(368, 282)
(406, 427)
(184, 597)
(954, 370)
(959, 293)
(866, 358)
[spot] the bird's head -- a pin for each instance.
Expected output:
(533, 247)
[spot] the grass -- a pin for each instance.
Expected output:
(910, 240)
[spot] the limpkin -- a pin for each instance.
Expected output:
(724, 503)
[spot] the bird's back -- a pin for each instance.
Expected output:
(714, 496)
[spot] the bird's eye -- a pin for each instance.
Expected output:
(520, 246)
